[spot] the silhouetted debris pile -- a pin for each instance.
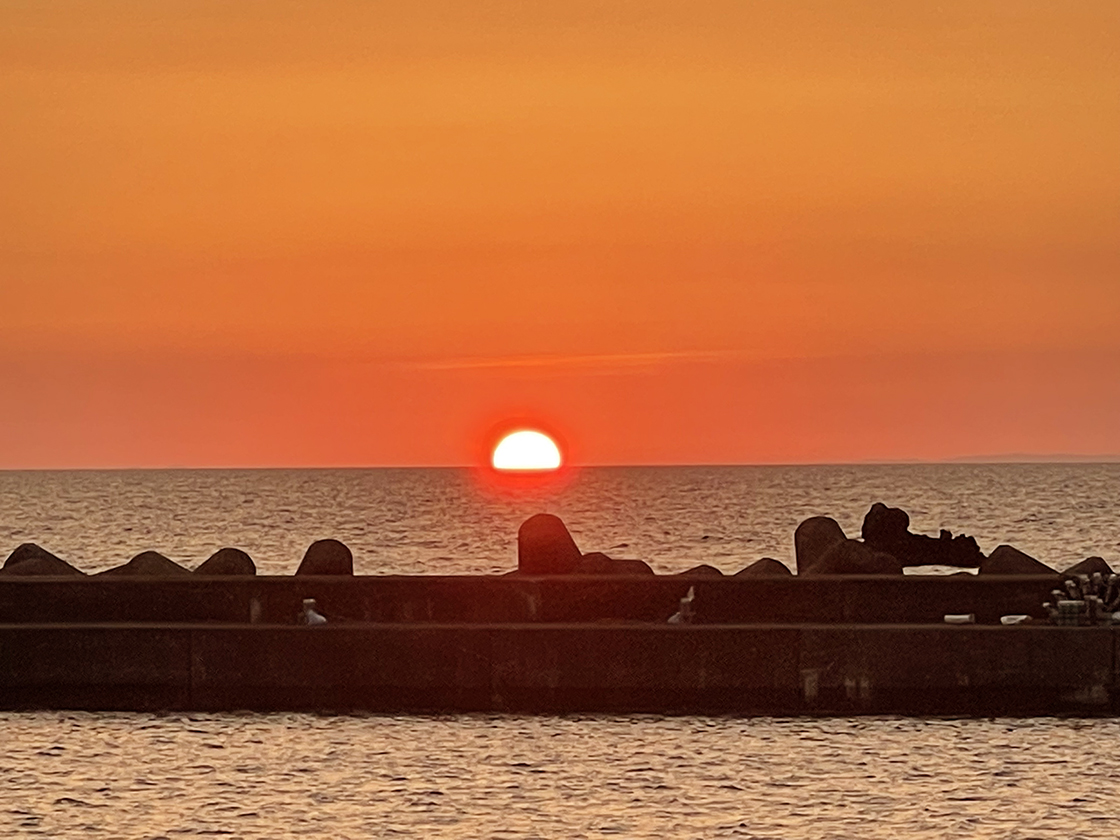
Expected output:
(1085, 599)
(887, 529)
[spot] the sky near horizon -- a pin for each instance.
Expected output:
(354, 233)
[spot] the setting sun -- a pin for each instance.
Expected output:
(526, 450)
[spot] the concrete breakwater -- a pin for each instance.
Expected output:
(566, 631)
(840, 599)
(816, 645)
(746, 669)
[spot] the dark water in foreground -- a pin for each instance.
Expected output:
(273, 776)
(258, 776)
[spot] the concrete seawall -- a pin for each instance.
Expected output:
(820, 645)
(522, 599)
(742, 669)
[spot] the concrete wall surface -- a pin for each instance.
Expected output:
(781, 669)
(521, 599)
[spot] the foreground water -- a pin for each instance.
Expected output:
(268, 776)
(274, 776)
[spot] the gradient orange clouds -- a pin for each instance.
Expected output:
(663, 224)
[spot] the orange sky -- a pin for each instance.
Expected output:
(360, 233)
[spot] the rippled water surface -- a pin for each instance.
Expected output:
(278, 776)
(265, 776)
(424, 521)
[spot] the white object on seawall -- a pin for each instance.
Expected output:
(684, 614)
(960, 618)
(310, 614)
(1014, 619)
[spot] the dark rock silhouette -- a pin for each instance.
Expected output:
(813, 538)
(851, 557)
(597, 563)
(884, 524)
(31, 559)
(147, 564)
(1007, 560)
(703, 570)
(327, 557)
(27, 552)
(593, 563)
(766, 567)
(1089, 566)
(227, 561)
(544, 547)
(886, 529)
(41, 567)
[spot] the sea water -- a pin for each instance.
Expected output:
(68, 774)
(450, 521)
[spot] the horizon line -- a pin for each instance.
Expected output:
(1008, 459)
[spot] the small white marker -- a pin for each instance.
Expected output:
(310, 614)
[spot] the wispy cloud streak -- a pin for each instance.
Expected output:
(566, 362)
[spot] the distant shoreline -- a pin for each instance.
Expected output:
(1026, 458)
